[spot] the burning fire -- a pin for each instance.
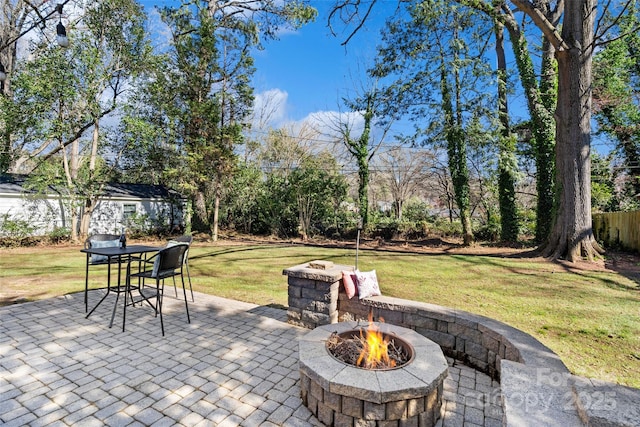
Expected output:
(375, 353)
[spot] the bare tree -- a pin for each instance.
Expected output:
(404, 170)
(266, 111)
(285, 148)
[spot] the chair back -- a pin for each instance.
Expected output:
(101, 238)
(184, 239)
(101, 241)
(169, 259)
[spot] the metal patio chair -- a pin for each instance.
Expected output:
(103, 241)
(168, 262)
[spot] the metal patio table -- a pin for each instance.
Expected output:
(123, 255)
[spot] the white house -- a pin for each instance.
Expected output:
(121, 205)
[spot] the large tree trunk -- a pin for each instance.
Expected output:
(572, 234)
(85, 218)
(542, 128)
(545, 135)
(71, 171)
(216, 212)
(457, 154)
(200, 208)
(91, 201)
(507, 163)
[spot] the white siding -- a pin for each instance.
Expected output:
(108, 216)
(46, 213)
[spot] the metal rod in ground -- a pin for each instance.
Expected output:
(357, 247)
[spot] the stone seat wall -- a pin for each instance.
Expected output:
(537, 388)
(477, 341)
(317, 297)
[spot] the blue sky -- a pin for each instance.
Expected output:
(308, 70)
(312, 67)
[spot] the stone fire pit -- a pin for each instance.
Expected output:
(339, 394)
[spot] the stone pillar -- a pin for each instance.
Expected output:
(313, 293)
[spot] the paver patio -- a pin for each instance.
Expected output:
(236, 364)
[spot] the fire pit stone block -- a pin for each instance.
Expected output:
(342, 395)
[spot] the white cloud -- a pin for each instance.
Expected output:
(322, 129)
(270, 110)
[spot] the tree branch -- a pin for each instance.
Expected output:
(549, 30)
(600, 34)
(76, 135)
(350, 17)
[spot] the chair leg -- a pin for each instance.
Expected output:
(127, 290)
(160, 294)
(186, 304)
(189, 277)
(86, 286)
(155, 307)
(113, 315)
(175, 288)
(128, 282)
(157, 297)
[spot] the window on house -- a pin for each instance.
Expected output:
(128, 210)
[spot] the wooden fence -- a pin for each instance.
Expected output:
(620, 229)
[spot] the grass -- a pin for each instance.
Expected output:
(590, 318)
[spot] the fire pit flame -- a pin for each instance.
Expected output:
(375, 349)
(369, 348)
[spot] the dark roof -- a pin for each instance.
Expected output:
(142, 191)
(14, 184)
(11, 183)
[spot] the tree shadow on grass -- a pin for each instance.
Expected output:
(624, 263)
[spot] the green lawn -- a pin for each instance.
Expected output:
(590, 318)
